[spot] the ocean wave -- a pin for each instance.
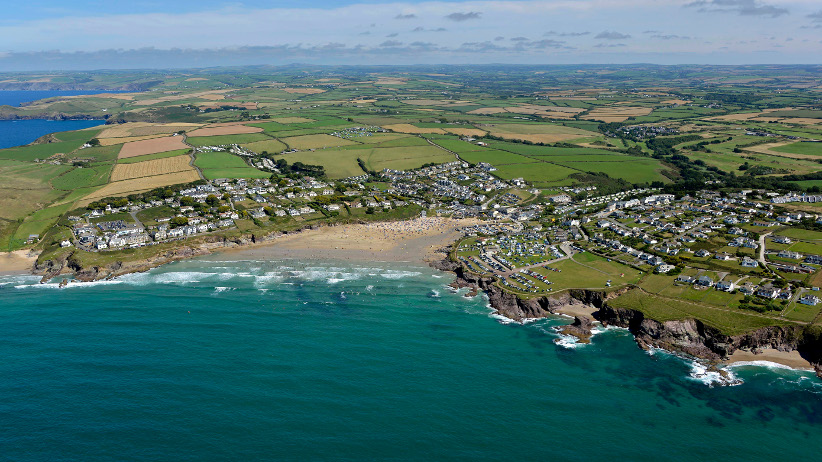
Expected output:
(568, 341)
(712, 377)
(218, 290)
(434, 293)
(172, 277)
(70, 285)
(766, 365)
(396, 274)
(502, 319)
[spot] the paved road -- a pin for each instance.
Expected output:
(191, 155)
(762, 249)
(136, 220)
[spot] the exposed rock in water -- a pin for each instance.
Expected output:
(581, 328)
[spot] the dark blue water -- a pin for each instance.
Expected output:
(248, 360)
(20, 132)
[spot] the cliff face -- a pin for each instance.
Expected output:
(518, 309)
(691, 337)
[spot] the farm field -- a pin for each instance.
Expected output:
(321, 141)
(152, 146)
(810, 149)
(225, 140)
(151, 167)
(270, 146)
(224, 130)
(537, 133)
(159, 155)
(224, 165)
(126, 187)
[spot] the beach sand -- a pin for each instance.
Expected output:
(583, 311)
(18, 262)
(416, 241)
(785, 358)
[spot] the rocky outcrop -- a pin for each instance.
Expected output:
(695, 338)
(519, 309)
(581, 328)
(690, 337)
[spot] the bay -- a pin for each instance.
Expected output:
(216, 359)
(21, 132)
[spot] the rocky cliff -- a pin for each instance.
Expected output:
(691, 337)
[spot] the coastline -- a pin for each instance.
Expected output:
(768, 346)
(19, 262)
(425, 241)
(418, 241)
(790, 359)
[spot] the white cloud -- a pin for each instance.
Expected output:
(471, 22)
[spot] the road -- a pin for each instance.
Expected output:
(762, 249)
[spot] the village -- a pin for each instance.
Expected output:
(709, 241)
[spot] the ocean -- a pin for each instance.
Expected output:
(20, 132)
(215, 359)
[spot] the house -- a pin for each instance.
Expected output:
(664, 268)
(705, 281)
(768, 292)
(781, 239)
(685, 279)
(789, 254)
(725, 286)
(747, 288)
(748, 262)
(723, 256)
(702, 253)
(812, 300)
(65, 243)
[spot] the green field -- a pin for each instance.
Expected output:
(728, 321)
(811, 149)
(224, 165)
(225, 140)
(269, 146)
(82, 177)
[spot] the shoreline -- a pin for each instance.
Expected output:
(17, 263)
(769, 356)
(414, 241)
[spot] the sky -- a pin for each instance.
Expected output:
(94, 34)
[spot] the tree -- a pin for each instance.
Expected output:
(179, 221)
(94, 142)
(212, 200)
(187, 201)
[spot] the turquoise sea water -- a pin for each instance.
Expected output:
(20, 132)
(246, 360)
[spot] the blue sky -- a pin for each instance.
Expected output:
(88, 34)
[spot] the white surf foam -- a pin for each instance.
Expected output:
(568, 341)
(767, 365)
(70, 285)
(395, 274)
(711, 378)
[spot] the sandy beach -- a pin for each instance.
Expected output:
(583, 311)
(18, 262)
(416, 241)
(785, 358)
